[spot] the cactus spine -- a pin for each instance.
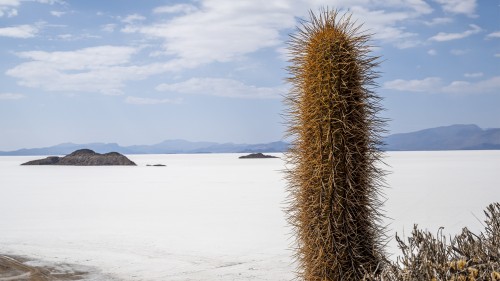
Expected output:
(333, 180)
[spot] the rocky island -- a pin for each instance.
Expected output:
(85, 157)
(256, 156)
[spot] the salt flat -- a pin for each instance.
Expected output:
(210, 216)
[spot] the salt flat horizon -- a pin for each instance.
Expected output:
(211, 216)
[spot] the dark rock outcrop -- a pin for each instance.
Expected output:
(85, 157)
(52, 160)
(256, 156)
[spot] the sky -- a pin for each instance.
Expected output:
(140, 72)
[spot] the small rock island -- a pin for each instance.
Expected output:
(256, 156)
(85, 157)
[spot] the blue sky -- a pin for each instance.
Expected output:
(140, 72)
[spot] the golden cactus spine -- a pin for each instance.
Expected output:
(333, 181)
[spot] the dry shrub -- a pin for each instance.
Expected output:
(465, 257)
(333, 181)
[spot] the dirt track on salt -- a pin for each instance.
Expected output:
(16, 268)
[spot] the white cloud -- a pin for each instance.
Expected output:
(495, 34)
(149, 101)
(10, 96)
(473, 75)
(466, 7)
(429, 84)
(110, 27)
(221, 30)
(71, 37)
(438, 21)
(442, 36)
(458, 52)
(20, 31)
(112, 92)
(130, 19)
(491, 85)
(88, 58)
(57, 13)
(417, 6)
(385, 26)
(432, 52)
(102, 69)
(387, 19)
(50, 2)
(179, 8)
(10, 13)
(497, 55)
(9, 2)
(436, 85)
(226, 30)
(65, 36)
(221, 87)
(8, 7)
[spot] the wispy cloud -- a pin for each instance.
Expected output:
(102, 69)
(72, 37)
(387, 19)
(50, 2)
(495, 34)
(110, 27)
(209, 31)
(9, 12)
(10, 96)
(174, 9)
(429, 84)
(458, 52)
(443, 36)
(8, 8)
(432, 52)
(220, 31)
(491, 85)
(11, 3)
(414, 6)
(87, 58)
(385, 27)
(221, 87)
(436, 85)
(20, 31)
(57, 13)
(473, 75)
(149, 101)
(466, 7)
(130, 19)
(438, 21)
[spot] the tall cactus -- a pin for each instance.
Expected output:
(334, 182)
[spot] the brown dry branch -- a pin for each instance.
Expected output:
(467, 256)
(333, 182)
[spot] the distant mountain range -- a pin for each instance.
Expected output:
(454, 137)
(166, 147)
